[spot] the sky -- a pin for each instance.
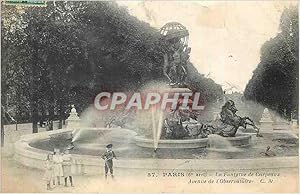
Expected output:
(225, 37)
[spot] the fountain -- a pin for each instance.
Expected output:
(176, 135)
(171, 132)
(180, 128)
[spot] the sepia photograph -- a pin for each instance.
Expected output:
(149, 96)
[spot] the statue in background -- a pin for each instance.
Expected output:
(176, 59)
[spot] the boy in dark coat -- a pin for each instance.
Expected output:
(108, 160)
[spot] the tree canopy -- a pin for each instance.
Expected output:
(275, 80)
(68, 52)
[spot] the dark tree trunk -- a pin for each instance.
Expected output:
(35, 118)
(34, 108)
(2, 127)
(34, 103)
(42, 118)
(61, 114)
(34, 89)
(51, 116)
(60, 124)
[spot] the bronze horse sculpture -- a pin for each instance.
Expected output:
(226, 126)
(229, 122)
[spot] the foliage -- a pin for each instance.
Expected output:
(275, 80)
(68, 52)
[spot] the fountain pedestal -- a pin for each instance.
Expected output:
(237, 141)
(73, 121)
(266, 122)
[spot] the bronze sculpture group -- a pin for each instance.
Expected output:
(177, 57)
(183, 124)
(176, 128)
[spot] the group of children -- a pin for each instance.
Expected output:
(58, 165)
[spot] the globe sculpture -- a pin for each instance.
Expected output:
(175, 31)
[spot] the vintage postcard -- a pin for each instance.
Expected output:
(149, 96)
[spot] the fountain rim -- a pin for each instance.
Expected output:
(174, 141)
(35, 158)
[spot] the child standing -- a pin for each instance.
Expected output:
(48, 176)
(108, 160)
(67, 164)
(57, 160)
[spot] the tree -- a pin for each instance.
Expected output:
(12, 75)
(68, 52)
(275, 80)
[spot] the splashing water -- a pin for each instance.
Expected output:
(89, 134)
(159, 128)
(153, 126)
(221, 144)
(156, 128)
(76, 134)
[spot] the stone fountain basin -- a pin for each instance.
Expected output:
(83, 135)
(168, 143)
(241, 140)
(84, 131)
(34, 157)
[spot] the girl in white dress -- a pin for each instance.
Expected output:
(57, 160)
(67, 166)
(49, 173)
